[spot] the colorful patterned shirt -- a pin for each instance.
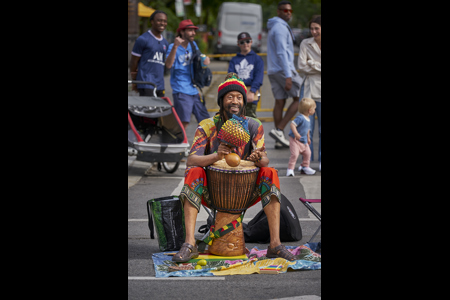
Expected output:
(206, 141)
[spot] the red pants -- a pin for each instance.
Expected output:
(195, 188)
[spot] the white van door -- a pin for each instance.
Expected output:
(234, 18)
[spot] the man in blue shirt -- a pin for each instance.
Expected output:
(148, 57)
(186, 97)
(250, 68)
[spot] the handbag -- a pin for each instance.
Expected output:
(167, 216)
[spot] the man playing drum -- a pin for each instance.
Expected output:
(208, 149)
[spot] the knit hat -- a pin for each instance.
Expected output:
(232, 83)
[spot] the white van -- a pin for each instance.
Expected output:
(234, 18)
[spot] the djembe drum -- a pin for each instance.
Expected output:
(231, 193)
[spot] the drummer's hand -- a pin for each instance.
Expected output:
(256, 154)
(223, 150)
(253, 157)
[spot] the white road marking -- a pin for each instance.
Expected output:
(175, 278)
(177, 190)
(311, 184)
(304, 297)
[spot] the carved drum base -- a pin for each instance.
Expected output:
(232, 243)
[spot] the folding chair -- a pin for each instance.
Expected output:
(307, 203)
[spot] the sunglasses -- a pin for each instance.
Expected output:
(243, 42)
(286, 10)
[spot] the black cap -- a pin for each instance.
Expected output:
(244, 36)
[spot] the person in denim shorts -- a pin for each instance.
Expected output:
(283, 77)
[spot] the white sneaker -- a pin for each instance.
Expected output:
(290, 172)
(278, 145)
(279, 136)
(308, 171)
(300, 168)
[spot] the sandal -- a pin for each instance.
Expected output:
(280, 251)
(186, 253)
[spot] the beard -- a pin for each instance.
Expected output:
(230, 114)
(287, 19)
(187, 37)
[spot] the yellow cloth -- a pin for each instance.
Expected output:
(217, 257)
(251, 268)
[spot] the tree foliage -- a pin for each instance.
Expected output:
(303, 11)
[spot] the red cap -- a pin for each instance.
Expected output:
(186, 24)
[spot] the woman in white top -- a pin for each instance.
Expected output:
(309, 65)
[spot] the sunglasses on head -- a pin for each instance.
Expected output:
(243, 42)
(286, 10)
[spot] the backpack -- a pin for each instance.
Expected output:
(200, 76)
(257, 230)
(166, 214)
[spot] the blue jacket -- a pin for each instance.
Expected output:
(250, 68)
(280, 47)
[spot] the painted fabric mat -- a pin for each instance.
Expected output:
(307, 260)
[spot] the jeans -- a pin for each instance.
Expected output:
(313, 123)
(319, 114)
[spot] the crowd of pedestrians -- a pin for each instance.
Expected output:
(152, 53)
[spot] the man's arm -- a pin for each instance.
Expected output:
(171, 57)
(206, 160)
(281, 52)
(134, 62)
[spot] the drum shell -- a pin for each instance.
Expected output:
(231, 190)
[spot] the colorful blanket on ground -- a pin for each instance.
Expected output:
(307, 259)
